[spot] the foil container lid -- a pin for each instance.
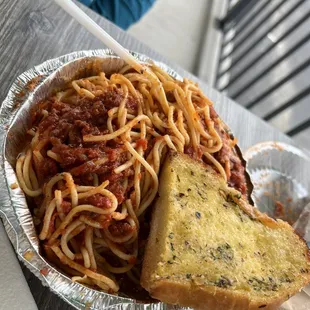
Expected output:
(280, 175)
(28, 89)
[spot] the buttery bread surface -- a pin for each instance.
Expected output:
(209, 249)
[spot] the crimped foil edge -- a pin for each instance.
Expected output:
(13, 201)
(75, 294)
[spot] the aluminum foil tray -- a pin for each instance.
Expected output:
(280, 175)
(29, 88)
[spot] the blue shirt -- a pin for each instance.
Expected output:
(123, 13)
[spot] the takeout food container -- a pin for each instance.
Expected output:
(280, 174)
(29, 88)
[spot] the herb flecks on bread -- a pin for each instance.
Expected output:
(209, 249)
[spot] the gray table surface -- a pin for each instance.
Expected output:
(33, 31)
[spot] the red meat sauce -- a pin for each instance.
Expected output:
(142, 143)
(63, 130)
(99, 201)
(66, 206)
(237, 172)
(120, 228)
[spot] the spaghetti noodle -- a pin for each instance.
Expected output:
(92, 166)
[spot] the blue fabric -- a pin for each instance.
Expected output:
(121, 12)
(86, 2)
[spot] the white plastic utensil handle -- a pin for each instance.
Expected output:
(72, 9)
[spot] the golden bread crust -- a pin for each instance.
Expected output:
(208, 298)
(185, 291)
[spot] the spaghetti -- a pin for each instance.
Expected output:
(92, 166)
